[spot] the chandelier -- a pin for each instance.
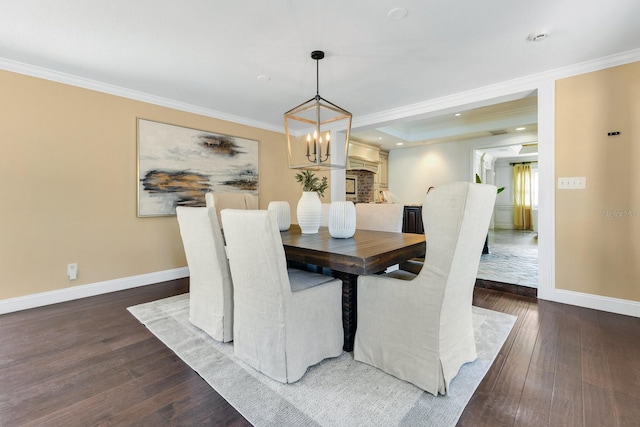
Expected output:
(309, 128)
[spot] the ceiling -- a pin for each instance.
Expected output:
(511, 117)
(528, 150)
(250, 60)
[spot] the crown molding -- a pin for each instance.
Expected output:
(73, 80)
(505, 91)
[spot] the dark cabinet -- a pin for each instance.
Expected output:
(412, 221)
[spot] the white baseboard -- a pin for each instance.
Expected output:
(596, 302)
(503, 217)
(76, 292)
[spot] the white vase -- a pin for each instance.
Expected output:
(309, 212)
(283, 213)
(342, 219)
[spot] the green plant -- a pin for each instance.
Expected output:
(310, 182)
(479, 181)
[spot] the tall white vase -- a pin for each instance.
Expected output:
(283, 213)
(342, 219)
(309, 212)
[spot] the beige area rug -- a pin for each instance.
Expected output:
(335, 392)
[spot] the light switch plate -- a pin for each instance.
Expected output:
(572, 183)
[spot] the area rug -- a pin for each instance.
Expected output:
(335, 392)
(515, 264)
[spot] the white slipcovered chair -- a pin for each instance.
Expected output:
(284, 320)
(210, 287)
(420, 330)
(379, 216)
(226, 200)
(324, 221)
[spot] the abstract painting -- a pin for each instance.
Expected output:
(177, 166)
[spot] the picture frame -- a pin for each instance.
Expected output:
(351, 185)
(177, 166)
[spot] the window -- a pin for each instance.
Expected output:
(534, 187)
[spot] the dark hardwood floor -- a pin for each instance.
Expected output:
(89, 362)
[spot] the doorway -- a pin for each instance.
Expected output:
(513, 253)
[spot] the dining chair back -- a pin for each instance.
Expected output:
(227, 200)
(379, 216)
(210, 287)
(421, 330)
(324, 220)
(285, 320)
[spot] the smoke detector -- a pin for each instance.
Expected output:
(538, 37)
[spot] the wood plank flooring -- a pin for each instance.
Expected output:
(89, 362)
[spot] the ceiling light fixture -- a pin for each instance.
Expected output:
(317, 118)
(521, 128)
(457, 114)
(397, 13)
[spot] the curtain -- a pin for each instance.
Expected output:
(522, 197)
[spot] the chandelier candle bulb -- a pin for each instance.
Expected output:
(315, 143)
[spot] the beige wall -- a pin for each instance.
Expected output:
(68, 174)
(597, 244)
(598, 229)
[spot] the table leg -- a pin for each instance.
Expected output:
(349, 307)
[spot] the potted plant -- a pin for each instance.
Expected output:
(479, 181)
(310, 182)
(309, 209)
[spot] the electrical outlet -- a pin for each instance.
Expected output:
(72, 271)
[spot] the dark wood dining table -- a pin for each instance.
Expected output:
(367, 252)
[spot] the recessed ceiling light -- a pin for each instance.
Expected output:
(538, 37)
(397, 13)
(263, 78)
(521, 128)
(399, 143)
(458, 114)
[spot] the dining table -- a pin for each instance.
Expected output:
(367, 252)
